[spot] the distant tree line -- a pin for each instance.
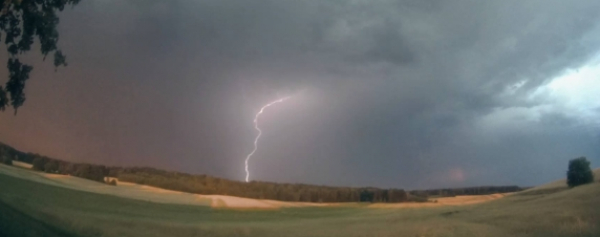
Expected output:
(451, 192)
(86, 171)
(204, 184)
(55, 166)
(8, 154)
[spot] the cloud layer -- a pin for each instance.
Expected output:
(410, 94)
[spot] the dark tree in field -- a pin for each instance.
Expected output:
(21, 22)
(579, 172)
(51, 167)
(39, 163)
(5, 157)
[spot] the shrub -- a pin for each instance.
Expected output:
(6, 160)
(51, 167)
(579, 172)
(5, 156)
(39, 163)
(414, 198)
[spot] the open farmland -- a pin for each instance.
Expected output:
(63, 208)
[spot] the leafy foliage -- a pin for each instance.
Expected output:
(51, 166)
(39, 163)
(5, 157)
(579, 172)
(21, 22)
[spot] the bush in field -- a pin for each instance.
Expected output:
(39, 163)
(51, 167)
(6, 160)
(5, 157)
(579, 172)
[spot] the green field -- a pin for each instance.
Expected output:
(37, 208)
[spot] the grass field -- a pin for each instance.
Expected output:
(153, 194)
(31, 206)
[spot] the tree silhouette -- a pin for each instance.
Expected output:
(579, 172)
(21, 22)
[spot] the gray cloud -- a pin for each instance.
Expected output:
(392, 93)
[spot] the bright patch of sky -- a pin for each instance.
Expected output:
(576, 91)
(574, 94)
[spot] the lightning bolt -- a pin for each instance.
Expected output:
(259, 132)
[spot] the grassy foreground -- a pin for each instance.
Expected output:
(30, 208)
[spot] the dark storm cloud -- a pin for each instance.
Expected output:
(388, 93)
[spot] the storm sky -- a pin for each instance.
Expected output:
(405, 94)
